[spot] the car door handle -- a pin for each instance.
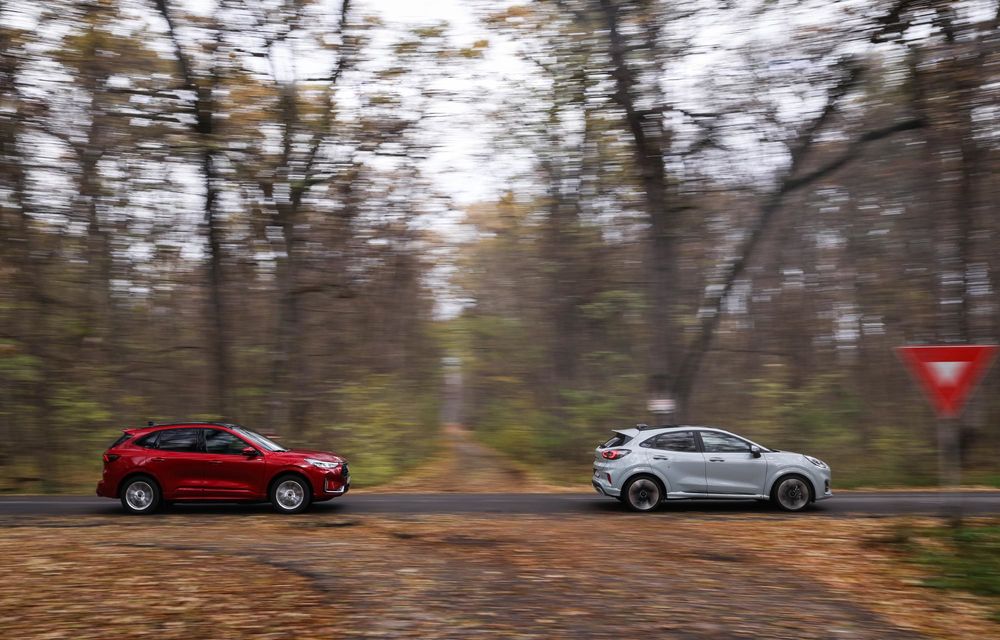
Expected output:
(158, 459)
(215, 462)
(716, 460)
(660, 458)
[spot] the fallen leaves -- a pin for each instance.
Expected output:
(614, 576)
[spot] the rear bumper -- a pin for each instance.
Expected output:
(605, 488)
(104, 491)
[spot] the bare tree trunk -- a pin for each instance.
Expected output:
(288, 364)
(216, 283)
(89, 154)
(296, 170)
(204, 108)
(30, 287)
(651, 142)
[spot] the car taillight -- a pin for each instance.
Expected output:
(110, 457)
(615, 454)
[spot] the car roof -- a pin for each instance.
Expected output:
(642, 428)
(173, 425)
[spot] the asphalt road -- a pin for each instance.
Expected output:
(847, 504)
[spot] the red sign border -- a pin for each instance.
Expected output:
(948, 403)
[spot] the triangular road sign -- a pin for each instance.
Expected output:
(948, 373)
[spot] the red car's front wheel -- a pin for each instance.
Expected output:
(290, 494)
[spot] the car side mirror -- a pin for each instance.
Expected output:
(755, 451)
(250, 452)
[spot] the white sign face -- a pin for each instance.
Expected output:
(661, 405)
(947, 374)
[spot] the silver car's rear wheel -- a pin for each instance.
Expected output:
(643, 494)
(792, 493)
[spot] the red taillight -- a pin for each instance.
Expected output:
(615, 454)
(110, 457)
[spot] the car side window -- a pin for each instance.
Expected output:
(716, 442)
(179, 440)
(219, 441)
(674, 441)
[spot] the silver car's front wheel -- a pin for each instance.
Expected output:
(792, 493)
(642, 494)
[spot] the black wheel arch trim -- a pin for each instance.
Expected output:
(651, 476)
(798, 474)
(138, 474)
(289, 472)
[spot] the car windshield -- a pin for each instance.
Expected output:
(258, 439)
(762, 447)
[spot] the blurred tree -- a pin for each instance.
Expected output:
(200, 74)
(781, 234)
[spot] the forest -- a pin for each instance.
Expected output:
(339, 223)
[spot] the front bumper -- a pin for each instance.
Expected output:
(827, 492)
(332, 489)
(328, 483)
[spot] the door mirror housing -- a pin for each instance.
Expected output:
(755, 451)
(250, 452)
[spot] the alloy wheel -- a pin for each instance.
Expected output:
(290, 494)
(139, 495)
(793, 494)
(643, 494)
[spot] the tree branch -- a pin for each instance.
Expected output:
(684, 382)
(342, 62)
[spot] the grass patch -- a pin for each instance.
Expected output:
(965, 558)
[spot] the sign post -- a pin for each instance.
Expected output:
(948, 375)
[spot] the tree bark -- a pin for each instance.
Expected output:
(651, 142)
(204, 108)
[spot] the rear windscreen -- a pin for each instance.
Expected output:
(121, 439)
(618, 440)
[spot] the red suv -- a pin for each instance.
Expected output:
(216, 461)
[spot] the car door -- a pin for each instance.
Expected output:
(730, 467)
(177, 463)
(229, 474)
(676, 456)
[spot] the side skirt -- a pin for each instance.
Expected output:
(681, 495)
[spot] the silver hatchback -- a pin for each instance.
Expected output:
(643, 466)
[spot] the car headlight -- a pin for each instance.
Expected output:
(322, 464)
(816, 461)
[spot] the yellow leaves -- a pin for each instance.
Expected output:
(476, 50)
(511, 16)
(430, 32)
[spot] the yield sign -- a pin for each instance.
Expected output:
(948, 373)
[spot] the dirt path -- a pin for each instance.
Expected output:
(463, 465)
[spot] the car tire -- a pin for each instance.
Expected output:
(792, 493)
(290, 494)
(140, 495)
(643, 493)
